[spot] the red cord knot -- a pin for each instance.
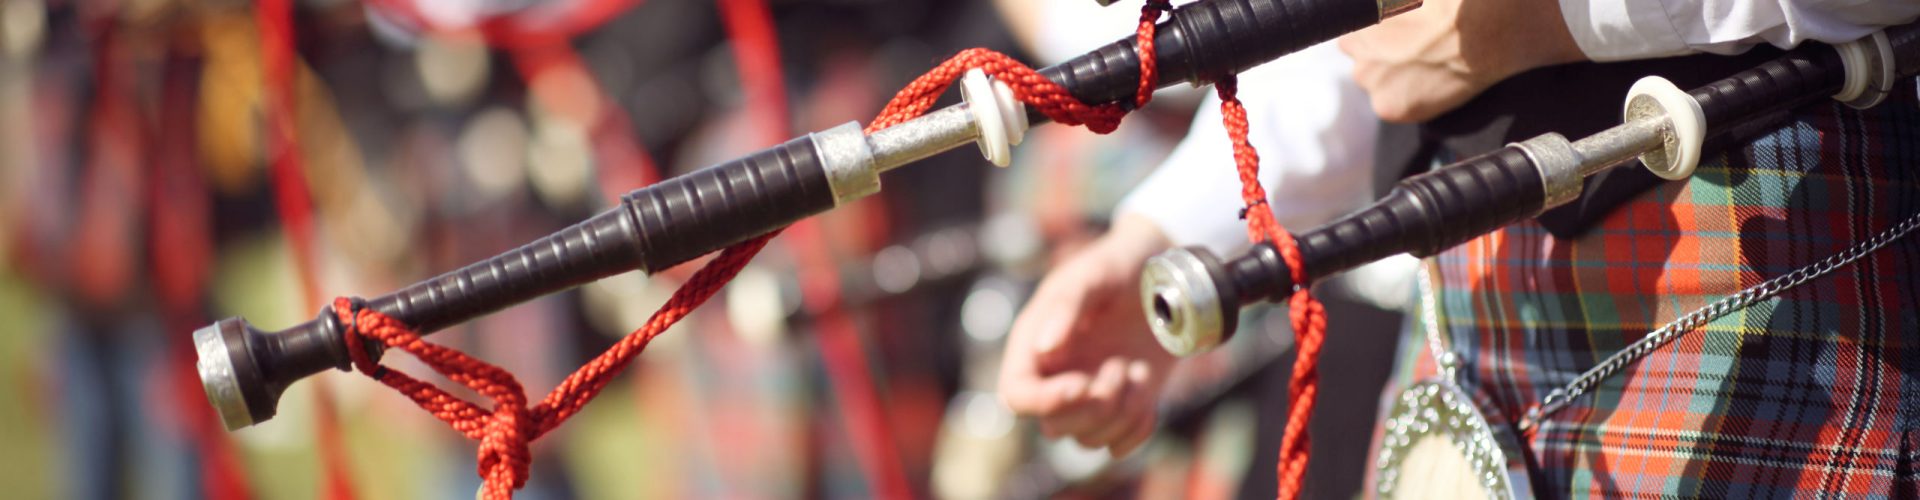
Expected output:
(505, 431)
(347, 310)
(504, 455)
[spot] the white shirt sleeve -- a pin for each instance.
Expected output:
(1315, 132)
(1612, 30)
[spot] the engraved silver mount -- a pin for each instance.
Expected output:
(217, 378)
(1433, 427)
(1182, 304)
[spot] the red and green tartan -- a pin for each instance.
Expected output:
(1815, 393)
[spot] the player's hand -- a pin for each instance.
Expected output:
(1420, 64)
(1079, 356)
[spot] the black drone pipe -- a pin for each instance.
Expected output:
(1193, 298)
(244, 370)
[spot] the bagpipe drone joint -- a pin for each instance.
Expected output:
(1679, 150)
(999, 117)
(1870, 71)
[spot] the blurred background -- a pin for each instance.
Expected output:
(165, 163)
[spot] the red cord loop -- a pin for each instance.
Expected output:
(1029, 86)
(505, 431)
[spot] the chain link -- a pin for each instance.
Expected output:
(1561, 397)
(1442, 351)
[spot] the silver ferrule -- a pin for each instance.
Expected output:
(848, 161)
(215, 364)
(1559, 167)
(1182, 303)
(1564, 166)
(919, 138)
(853, 159)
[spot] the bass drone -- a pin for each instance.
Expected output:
(1192, 298)
(244, 370)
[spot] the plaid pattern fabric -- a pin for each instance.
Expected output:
(1814, 394)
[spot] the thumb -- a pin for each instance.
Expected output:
(1049, 317)
(1053, 333)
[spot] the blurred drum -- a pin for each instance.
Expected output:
(1438, 445)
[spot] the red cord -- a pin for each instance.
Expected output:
(1309, 318)
(1028, 86)
(506, 430)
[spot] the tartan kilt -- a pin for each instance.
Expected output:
(1814, 393)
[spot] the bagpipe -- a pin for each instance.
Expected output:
(1193, 297)
(1438, 441)
(244, 370)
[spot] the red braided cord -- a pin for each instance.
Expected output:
(1309, 318)
(1028, 86)
(1143, 46)
(506, 430)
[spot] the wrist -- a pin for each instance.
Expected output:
(1532, 34)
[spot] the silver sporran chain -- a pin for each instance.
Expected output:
(1560, 397)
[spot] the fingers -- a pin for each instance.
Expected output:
(1024, 392)
(1070, 363)
(1117, 411)
(1135, 436)
(1111, 393)
(1043, 325)
(1089, 417)
(1024, 386)
(1141, 427)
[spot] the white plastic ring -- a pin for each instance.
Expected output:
(978, 92)
(1853, 57)
(1688, 123)
(999, 116)
(1012, 111)
(1869, 68)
